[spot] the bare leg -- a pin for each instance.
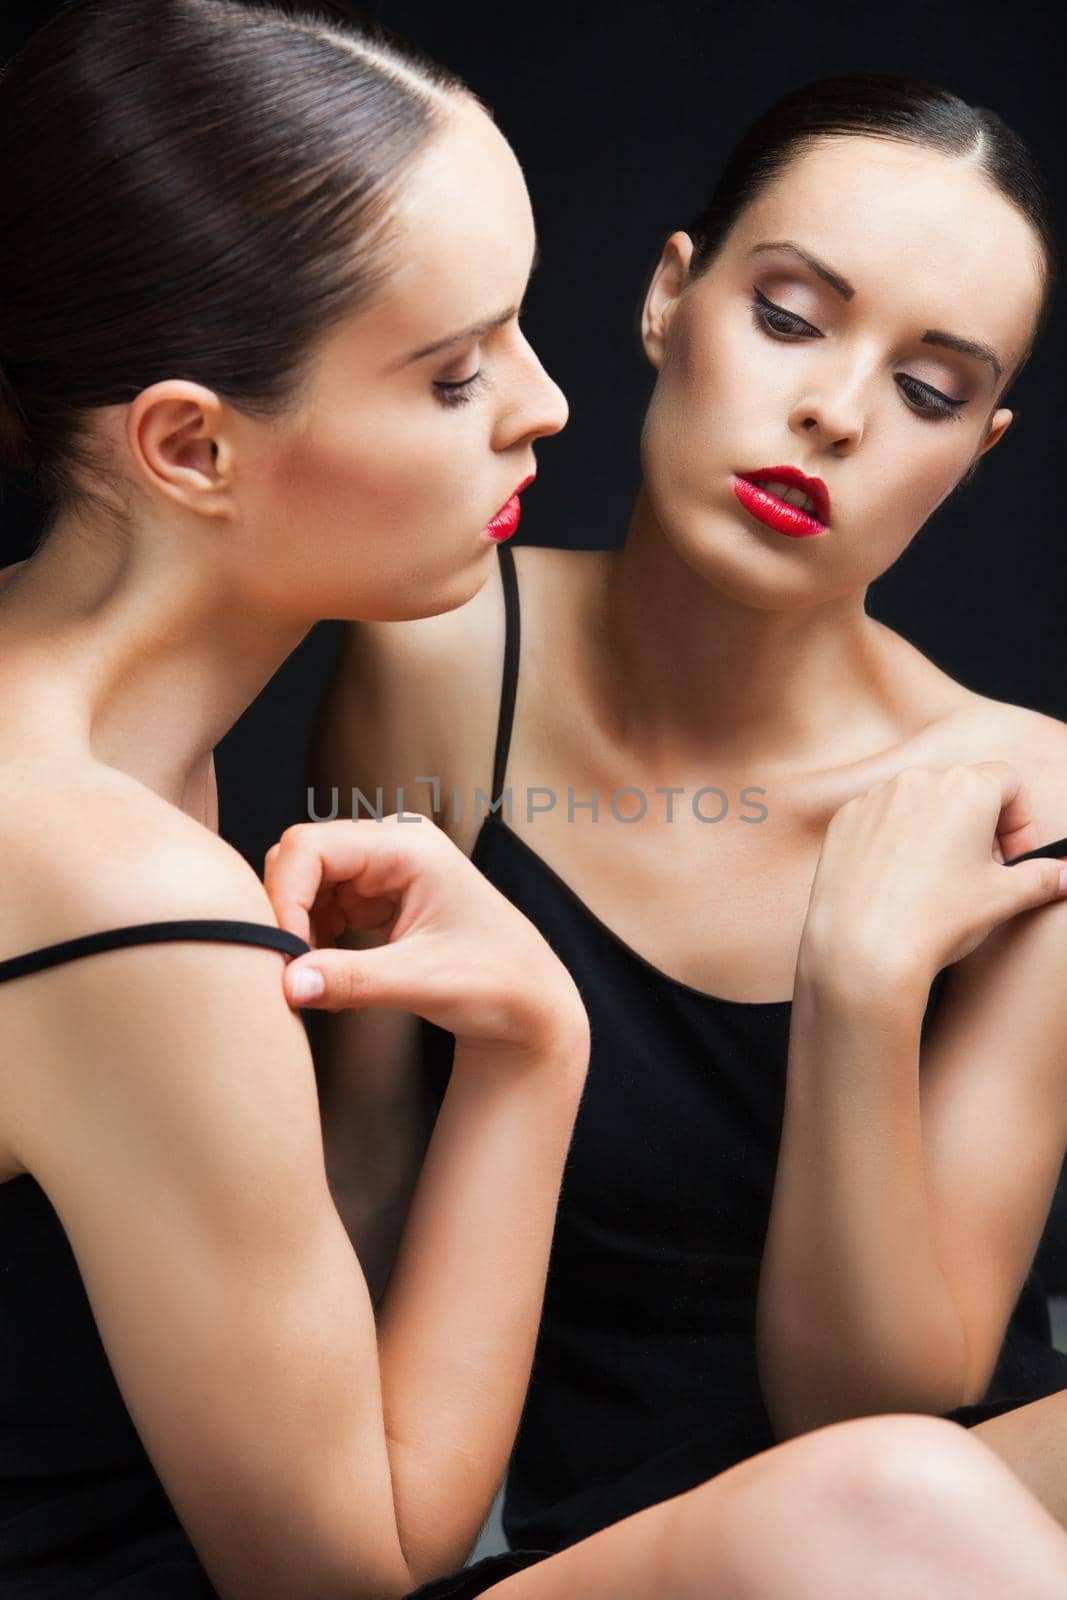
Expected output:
(1033, 1443)
(887, 1508)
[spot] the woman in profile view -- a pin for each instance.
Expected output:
(244, 253)
(824, 1113)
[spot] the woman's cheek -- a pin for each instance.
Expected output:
(403, 463)
(934, 484)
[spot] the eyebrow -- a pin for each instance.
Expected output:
(966, 347)
(837, 283)
(477, 330)
(842, 287)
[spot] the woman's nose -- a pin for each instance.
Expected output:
(539, 406)
(834, 416)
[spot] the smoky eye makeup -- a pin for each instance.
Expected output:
(926, 399)
(457, 392)
(923, 398)
(772, 318)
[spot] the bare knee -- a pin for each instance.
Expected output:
(943, 1511)
(913, 1498)
(901, 1470)
(916, 1466)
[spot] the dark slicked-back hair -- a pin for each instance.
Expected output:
(190, 189)
(881, 106)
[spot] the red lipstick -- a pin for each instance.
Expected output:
(767, 507)
(503, 525)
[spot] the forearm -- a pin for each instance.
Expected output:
(459, 1319)
(855, 1315)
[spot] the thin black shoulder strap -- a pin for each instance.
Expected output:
(1058, 847)
(215, 930)
(510, 681)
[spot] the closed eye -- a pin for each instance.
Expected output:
(456, 392)
(459, 392)
(929, 402)
(779, 322)
(922, 398)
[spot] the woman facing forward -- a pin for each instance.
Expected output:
(766, 835)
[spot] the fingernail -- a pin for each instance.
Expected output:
(307, 984)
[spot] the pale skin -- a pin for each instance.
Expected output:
(712, 649)
(164, 1098)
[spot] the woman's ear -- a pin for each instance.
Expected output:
(178, 437)
(668, 281)
(997, 429)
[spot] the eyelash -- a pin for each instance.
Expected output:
(458, 394)
(925, 401)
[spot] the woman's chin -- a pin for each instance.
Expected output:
(448, 592)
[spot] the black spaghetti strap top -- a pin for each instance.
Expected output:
(82, 1512)
(215, 930)
(644, 1382)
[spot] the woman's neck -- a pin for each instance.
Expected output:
(135, 653)
(690, 671)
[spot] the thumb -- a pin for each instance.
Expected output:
(1036, 883)
(347, 980)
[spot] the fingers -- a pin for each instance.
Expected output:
(375, 861)
(350, 980)
(305, 860)
(1034, 883)
(1016, 832)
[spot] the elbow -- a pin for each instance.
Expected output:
(431, 1537)
(332, 1566)
(809, 1384)
(980, 1366)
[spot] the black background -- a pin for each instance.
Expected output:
(621, 116)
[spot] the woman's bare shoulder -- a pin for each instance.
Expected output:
(420, 699)
(88, 848)
(100, 851)
(1035, 743)
(961, 723)
(979, 721)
